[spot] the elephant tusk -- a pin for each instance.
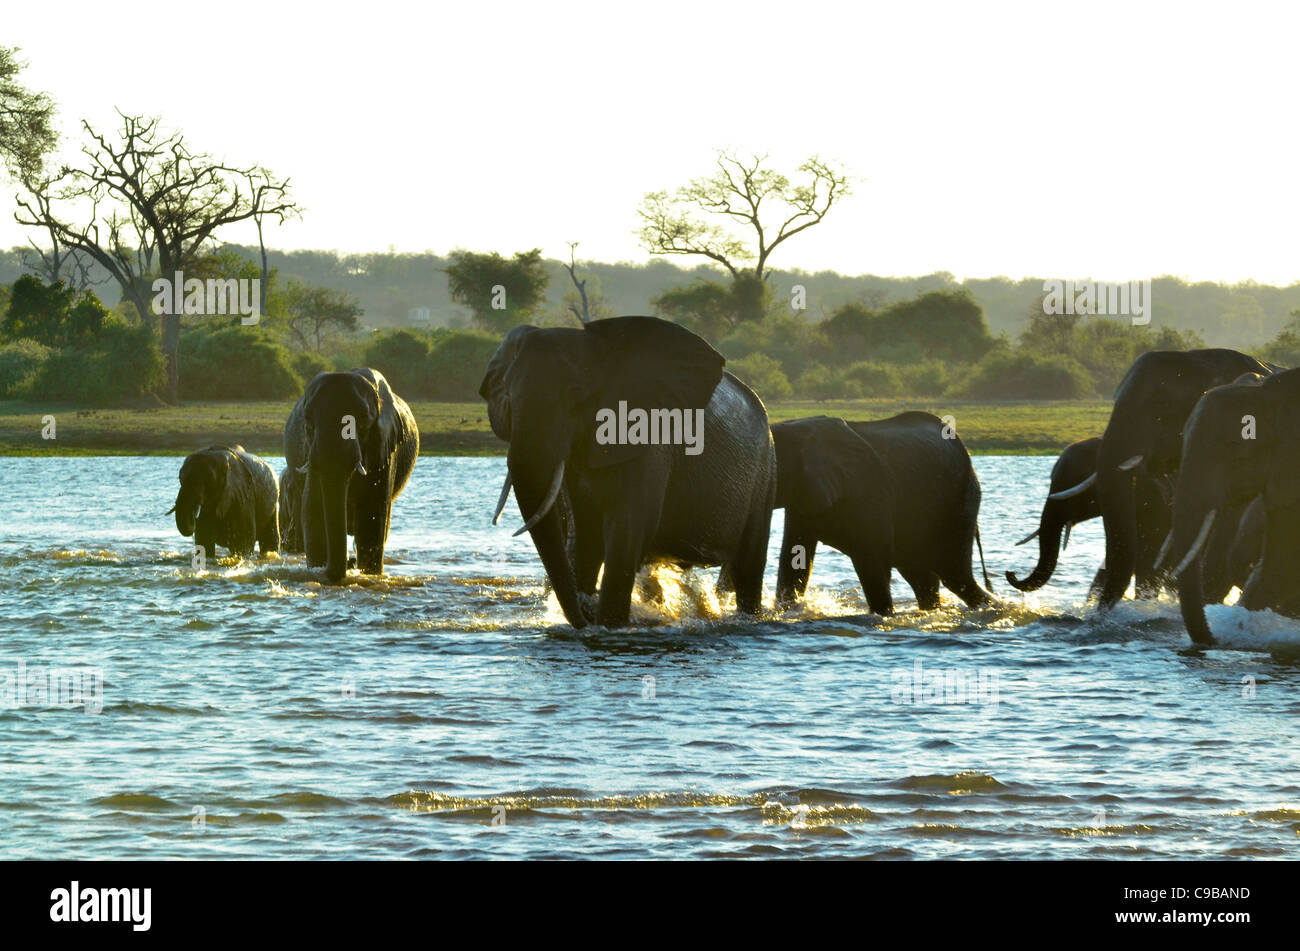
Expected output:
(501, 502)
(545, 507)
(1029, 538)
(361, 470)
(1131, 463)
(1065, 542)
(1079, 489)
(303, 468)
(1198, 544)
(1164, 551)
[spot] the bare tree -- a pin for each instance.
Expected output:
(58, 262)
(742, 192)
(581, 285)
(150, 206)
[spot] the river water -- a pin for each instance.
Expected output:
(151, 710)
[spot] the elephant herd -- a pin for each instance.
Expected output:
(1193, 478)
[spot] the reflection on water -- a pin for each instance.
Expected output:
(447, 710)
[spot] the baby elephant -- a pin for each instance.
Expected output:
(228, 497)
(291, 486)
(891, 493)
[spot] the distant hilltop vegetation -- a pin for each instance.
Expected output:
(411, 290)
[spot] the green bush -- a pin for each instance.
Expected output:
(790, 340)
(124, 362)
(403, 358)
(875, 379)
(307, 364)
(1019, 375)
(819, 383)
(943, 324)
(233, 362)
(763, 374)
(456, 366)
(20, 365)
(54, 314)
(925, 379)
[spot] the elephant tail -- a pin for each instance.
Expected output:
(988, 584)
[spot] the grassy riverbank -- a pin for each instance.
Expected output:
(461, 429)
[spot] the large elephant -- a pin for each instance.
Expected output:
(890, 493)
(228, 497)
(1241, 454)
(291, 486)
(1140, 452)
(1061, 512)
(356, 441)
(633, 498)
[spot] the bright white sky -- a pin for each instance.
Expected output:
(1111, 141)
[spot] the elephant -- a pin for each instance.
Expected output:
(1240, 455)
(890, 493)
(1139, 457)
(356, 442)
(1061, 513)
(596, 494)
(228, 497)
(291, 485)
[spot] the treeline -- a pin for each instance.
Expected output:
(389, 287)
(57, 343)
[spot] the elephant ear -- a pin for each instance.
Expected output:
(220, 460)
(650, 364)
(381, 440)
(493, 385)
(1281, 393)
(834, 460)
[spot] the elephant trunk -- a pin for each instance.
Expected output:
(1117, 496)
(188, 503)
(1050, 527)
(533, 474)
(333, 493)
(1191, 603)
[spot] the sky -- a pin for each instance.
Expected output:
(1106, 140)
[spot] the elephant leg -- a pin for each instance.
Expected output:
(1154, 523)
(925, 585)
(243, 535)
(1216, 577)
(873, 574)
(725, 585)
(588, 546)
(373, 516)
(1098, 582)
(625, 539)
(956, 575)
(1273, 582)
(268, 533)
(746, 569)
(798, 548)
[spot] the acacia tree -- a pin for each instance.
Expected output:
(26, 137)
(311, 311)
(148, 205)
(761, 202)
(500, 292)
(26, 120)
